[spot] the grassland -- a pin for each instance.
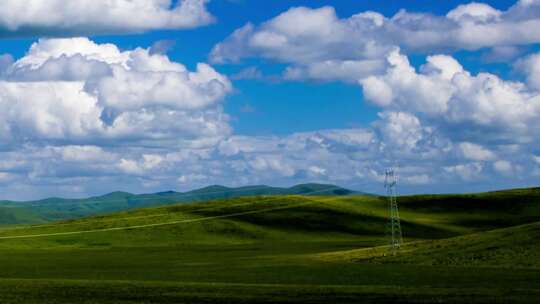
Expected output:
(511, 248)
(285, 249)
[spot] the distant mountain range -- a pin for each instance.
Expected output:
(52, 209)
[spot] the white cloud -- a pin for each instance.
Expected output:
(503, 167)
(422, 179)
(474, 12)
(476, 152)
(91, 17)
(130, 166)
(502, 54)
(319, 45)
(350, 157)
(46, 49)
(300, 35)
(271, 163)
(315, 170)
(467, 172)
(162, 46)
(46, 110)
(377, 91)
(467, 107)
(334, 70)
(77, 91)
(151, 161)
(73, 68)
(407, 90)
(248, 73)
(6, 60)
(530, 66)
(84, 153)
(131, 89)
(5, 177)
(191, 179)
(401, 129)
(315, 41)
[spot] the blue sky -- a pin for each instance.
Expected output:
(279, 108)
(284, 108)
(322, 91)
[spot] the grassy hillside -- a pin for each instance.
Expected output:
(508, 247)
(54, 209)
(287, 249)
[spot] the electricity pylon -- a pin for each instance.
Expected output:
(396, 237)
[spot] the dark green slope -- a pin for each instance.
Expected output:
(513, 247)
(504, 200)
(13, 216)
(479, 211)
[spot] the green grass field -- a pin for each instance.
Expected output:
(286, 249)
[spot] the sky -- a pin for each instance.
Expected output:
(155, 95)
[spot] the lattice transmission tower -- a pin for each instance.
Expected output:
(394, 228)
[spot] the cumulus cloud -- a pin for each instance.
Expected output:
(476, 152)
(92, 17)
(469, 172)
(76, 91)
(6, 60)
(81, 117)
(315, 41)
(252, 73)
(402, 86)
(335, 70)
(503, 166)
(299, 35)
(484, 107)
(530, 66)
(350, 157)
(474, 12)
(502, 54)
(401, 130)
(88, 118)
(162, 46)
(319, 45)
(72, 153)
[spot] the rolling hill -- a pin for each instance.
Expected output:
(512, 247)
(474, 248)
(53, 209)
